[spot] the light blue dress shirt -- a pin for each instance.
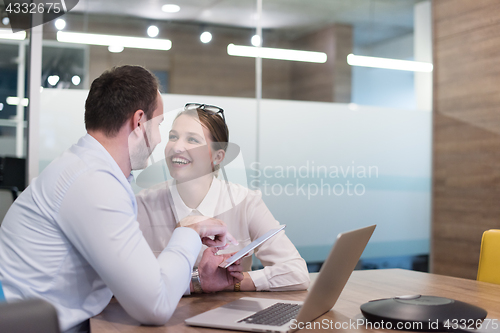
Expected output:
(72, 238)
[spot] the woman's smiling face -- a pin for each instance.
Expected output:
(187, 152)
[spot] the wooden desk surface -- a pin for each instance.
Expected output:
(362, 287)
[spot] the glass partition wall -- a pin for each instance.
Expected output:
(333, 142)
(12, 102)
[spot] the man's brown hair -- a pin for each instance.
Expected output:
(117, 94)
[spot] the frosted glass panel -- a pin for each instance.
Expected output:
(326, 168)
(323, 167)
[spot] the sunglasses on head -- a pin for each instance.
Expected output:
(207, 108)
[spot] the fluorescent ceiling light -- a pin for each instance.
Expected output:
(60, 24)
(206, 37)
(403, 65)
(256, 40)
(153, 31)
(280, 54)
(53, 79)
(76, 80)
(8, 34)
(115, 48)
(15, 100)
(170, 8)
(108, 40)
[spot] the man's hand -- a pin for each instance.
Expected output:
(212, 277)
(207, 228)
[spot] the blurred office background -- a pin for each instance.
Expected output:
(332, 145)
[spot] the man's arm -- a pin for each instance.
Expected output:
(101, 225)
(213, 232)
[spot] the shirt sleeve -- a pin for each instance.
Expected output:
(97, 216)
(284, 268)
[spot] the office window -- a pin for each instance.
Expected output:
(63, 66)
(12, 109)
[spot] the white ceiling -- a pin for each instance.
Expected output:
(373, 20)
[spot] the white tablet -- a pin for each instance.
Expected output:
(241, 253)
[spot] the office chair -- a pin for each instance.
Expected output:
(33, 315)
(489, 259)
(13, 172)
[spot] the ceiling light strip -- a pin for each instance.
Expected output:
(279, 54)
(375, 62)
(11, 100)
(109, 40)
(8, 34)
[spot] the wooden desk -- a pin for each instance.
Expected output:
(362, 287)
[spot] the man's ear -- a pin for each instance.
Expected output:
(138, 118)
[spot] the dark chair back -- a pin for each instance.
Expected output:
(13, 172)
(34, 315)
(7, 196)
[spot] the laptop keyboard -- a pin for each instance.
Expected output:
(275, 315)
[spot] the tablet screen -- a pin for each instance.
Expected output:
(241, 253)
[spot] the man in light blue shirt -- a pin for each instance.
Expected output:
(72, 237)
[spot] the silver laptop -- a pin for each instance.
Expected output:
(264, 314)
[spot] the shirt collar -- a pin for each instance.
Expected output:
(89, 141)
(205, 208)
